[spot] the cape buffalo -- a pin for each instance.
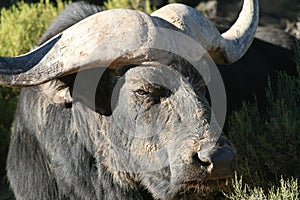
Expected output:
(145, 130)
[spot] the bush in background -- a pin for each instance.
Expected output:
(141, 5)
(22, 25)
(8, 3)
(287, 189)
(268, 144)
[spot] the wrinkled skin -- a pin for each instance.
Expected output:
(159, 120)
(79, 154)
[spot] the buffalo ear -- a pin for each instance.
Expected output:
(57, 92)
(103, 98)
(93, 88)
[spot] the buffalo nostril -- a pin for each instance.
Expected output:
(223, 159)
(219, 161)
(202, 162)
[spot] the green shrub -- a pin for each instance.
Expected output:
(141, 5)
(268, 144)
(20, 28)
(22, 25)
(287, 189)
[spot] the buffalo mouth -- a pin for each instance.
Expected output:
(195, 188)
(207, 184)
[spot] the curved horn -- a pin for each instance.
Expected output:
(110, 38)
(121, 37)
(225, 48)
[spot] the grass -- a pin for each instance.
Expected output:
(286, 190)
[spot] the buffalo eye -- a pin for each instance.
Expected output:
(153, 92)
(141, 92)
